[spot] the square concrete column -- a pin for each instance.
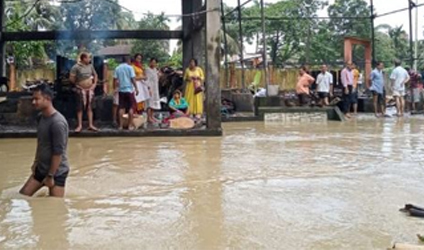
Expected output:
(213, 57)
(192, 35)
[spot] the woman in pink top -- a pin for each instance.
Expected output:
(302, 86)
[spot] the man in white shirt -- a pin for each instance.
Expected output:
(324, 85)
(399, 78)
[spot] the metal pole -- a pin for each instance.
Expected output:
(241, 46)
(224, 29)
(264, 52)
(372, 32)
(2, 42)
(411, 37)
(416, 37)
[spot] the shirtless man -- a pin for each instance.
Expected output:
(50, 167)
(84, 76)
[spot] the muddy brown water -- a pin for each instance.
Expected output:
(261, 186)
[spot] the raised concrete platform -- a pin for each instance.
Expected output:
(332, 113)
(30, 132)
(242, 117)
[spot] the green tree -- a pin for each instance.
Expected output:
(176, 60)
(25, 53)
(349, 18)
(153, 48)
(88, 15)
(320, 51)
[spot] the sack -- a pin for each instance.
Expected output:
(197, 85)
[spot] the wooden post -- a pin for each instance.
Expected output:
(243, 83)
(12, 77)
(213, 40)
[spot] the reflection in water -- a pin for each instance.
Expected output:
(301, 186)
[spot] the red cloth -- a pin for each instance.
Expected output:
(138, 64)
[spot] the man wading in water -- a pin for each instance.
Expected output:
(50, 167)
(84, 76)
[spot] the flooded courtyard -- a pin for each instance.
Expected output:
(261, 186)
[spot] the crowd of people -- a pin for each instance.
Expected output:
(136, 91)
(405, 84)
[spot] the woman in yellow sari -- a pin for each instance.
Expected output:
(194, 79)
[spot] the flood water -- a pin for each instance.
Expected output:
(261, 186)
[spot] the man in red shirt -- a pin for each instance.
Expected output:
(416, 88)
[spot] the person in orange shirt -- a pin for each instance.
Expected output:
(143, 88)
(302, 87)
(354, 100)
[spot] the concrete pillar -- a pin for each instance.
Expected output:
(368, 63)
(347, 50)
(213, 57)
(192, 38)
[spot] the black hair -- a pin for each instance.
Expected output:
(138, 54)
(305, 68)
(125, 59)
(45, 90)
(378, 63)
(153, 59)
(195, 61)
(84, 55)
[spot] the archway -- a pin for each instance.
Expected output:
(348, 46)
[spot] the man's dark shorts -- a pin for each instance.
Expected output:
(59, 181)
(381, 99)
(323, 95)
(353, 95)
(126, 100)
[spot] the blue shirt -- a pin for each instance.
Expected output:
(377, 81)
(182, 105)
(125, 73)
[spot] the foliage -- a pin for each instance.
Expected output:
(24, 52)
(112, 63)
(293, 33)
(91, 15)
(153, 48)
(176, 60)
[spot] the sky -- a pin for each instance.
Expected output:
(171, 7)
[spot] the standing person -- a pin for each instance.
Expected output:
(140, 78)
(354, 94)
(152, 75)
(347, 82)
(194, 79)
(416, 88)
(50, 167)
(303, 83)
(84, 76)
(399, 78)
(377, 89)
(125, 78)
(325, 85)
